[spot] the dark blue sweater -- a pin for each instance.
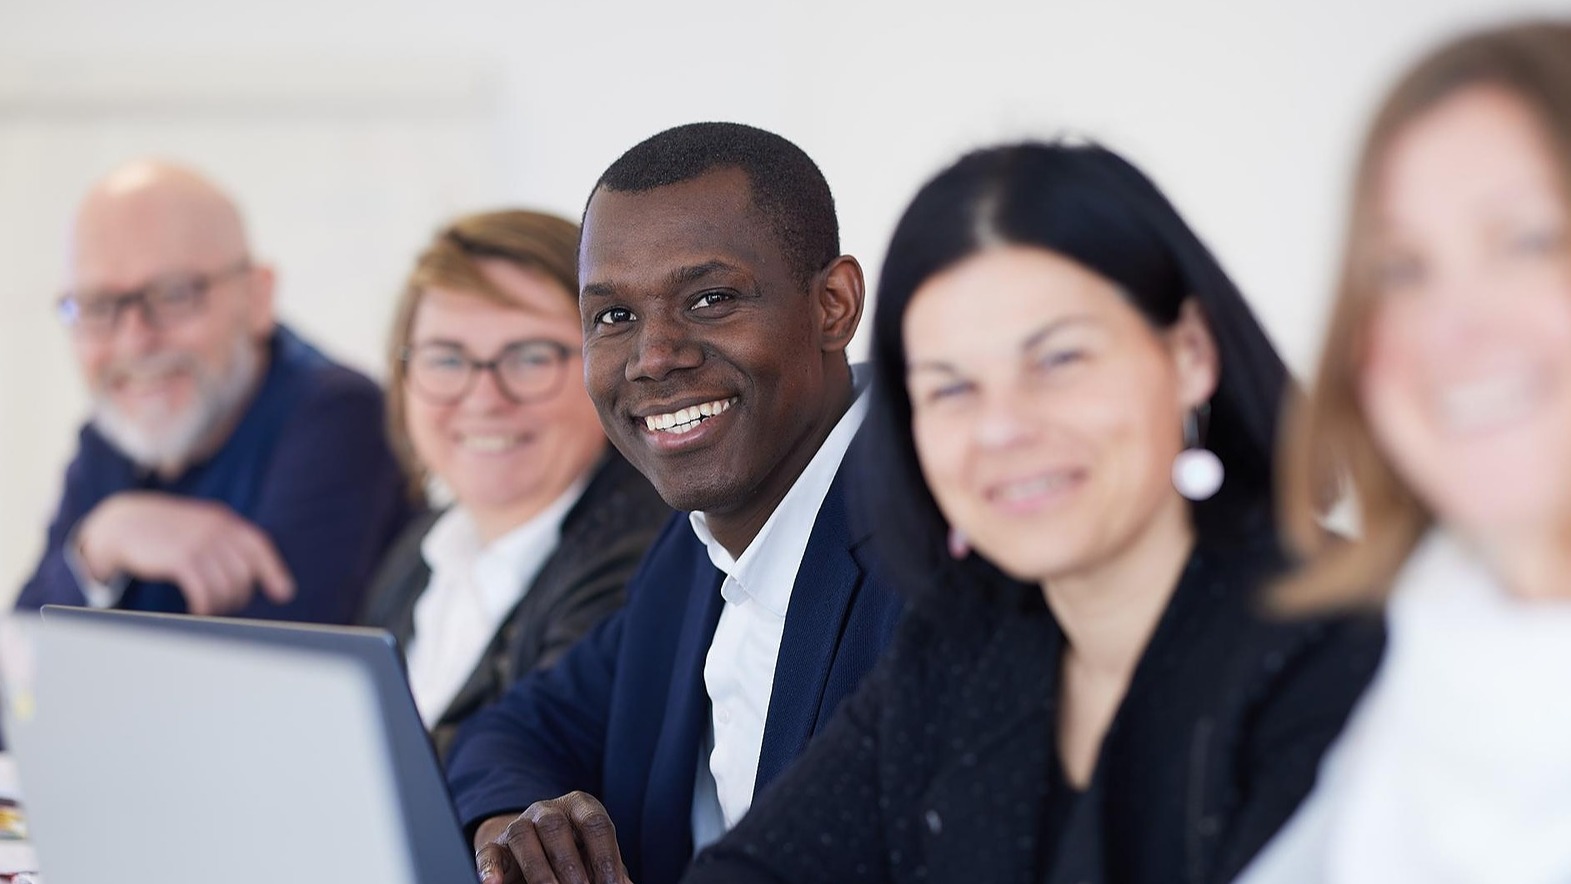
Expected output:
(308, 464)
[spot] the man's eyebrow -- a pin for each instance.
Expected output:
(598, 290)
(677, 278)
(693, 273)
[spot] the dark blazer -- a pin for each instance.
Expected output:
(939, 769)
(623, 714)
(604, 536)
(308, 464)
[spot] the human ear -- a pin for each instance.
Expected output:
(261, 283)
(837, 294)
(1194, 354)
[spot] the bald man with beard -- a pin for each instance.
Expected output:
(228, 467)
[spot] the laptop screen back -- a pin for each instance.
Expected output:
(170, 752)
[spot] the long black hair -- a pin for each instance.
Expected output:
(1090, 205)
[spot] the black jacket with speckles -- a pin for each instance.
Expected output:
(944, 766)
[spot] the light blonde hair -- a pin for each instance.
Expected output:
(1328, 445)
(544, 243)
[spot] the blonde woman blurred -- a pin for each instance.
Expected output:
(548, 521)
(1444, 401)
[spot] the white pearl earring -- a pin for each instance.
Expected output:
(1197, 471)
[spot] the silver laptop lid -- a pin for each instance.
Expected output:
(181, 750)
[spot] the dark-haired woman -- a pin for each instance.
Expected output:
(1083, 690)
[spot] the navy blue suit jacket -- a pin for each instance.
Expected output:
(308, 463)
(622, 716)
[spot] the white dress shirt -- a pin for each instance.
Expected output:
(474, 586)
(1456, 764)
(739, 670)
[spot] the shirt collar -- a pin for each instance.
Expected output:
(453, 545)
(778, 547)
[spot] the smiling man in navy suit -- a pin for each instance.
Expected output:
(717, 308)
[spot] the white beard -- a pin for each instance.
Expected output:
(166, 441)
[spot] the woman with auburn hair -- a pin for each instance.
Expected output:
(1443, 405)
(548, 522)
(1070, 446)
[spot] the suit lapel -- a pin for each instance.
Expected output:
(826, 585)
(667, 840)
(496, 669)
(402, 624)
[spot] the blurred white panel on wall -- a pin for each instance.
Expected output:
(342, 170)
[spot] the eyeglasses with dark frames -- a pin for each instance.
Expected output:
(443, 373)
(163, 302)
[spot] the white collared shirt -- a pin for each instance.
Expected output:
(739, 670)
(474, 586)
(1455, 764)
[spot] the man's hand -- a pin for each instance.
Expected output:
(567, 840)
(216, 558)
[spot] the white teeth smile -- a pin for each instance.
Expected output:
(687, 419)
(1485, 404)
(490, 444)
(1025, 490)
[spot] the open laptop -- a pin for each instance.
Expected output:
(178, 750)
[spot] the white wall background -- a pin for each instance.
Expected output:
(349, 128)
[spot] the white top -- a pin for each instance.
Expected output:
(1456, 765)
(739, 670)
(474, 586)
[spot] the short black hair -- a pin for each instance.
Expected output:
(1090, 205)
(788, 188)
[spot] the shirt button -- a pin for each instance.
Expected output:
(723, 716)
